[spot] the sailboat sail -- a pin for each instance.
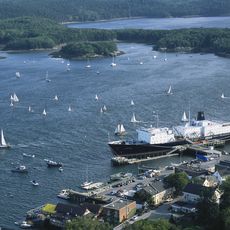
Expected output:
(132, 102)
(69, 109)
(3, 142)
(133, 119)
(56, 98)
(44, 112)
(96, 97)
(169, 92)
(120, 130)
(113, 64)
(18, 75)
(222, 95)
(15, 98)
(184, 117)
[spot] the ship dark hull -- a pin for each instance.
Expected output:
(141, 150)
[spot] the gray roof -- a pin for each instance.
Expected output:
(118, 204)
(196, 189)
(155, 187)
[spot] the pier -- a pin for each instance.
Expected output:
(193, 148)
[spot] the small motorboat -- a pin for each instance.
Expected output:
(20, 169)
(28, 155)
(60, 169)
(53, 164)
(64, 194)
(34, 183)
(25, 224)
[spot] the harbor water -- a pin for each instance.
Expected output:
(79, 138)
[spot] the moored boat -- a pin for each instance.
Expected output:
(20, 169)
(53, 164)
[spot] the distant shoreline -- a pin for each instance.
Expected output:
(131, 18)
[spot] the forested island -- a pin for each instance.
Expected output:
(29, 33)
(92, 10)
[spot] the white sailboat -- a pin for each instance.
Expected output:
(222, 96)
(18, 75)
(113, 64)
(104, 108)
(169, 92)
(141, 63)
(30, 109)
(70, 109)
(68, 66)
(120, 130)
(44, 112)
(55, 98)
(88, 64)
(3, 143)
(96, 97)
(184, 117)
(132, 102)
(11, 103)
(47, 77)
(101, 110)
(133, 119)
(15, 98)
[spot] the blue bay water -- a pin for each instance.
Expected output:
(79, 138)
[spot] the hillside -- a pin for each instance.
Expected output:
(90, 10)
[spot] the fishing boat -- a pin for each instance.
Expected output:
(53, 164)
(133, 119)
(20, 169)
(132, 102)
(34, 183)
(184, 117)
(44, 112)
(113, 64)
(18, 75)
(3, 143)
(169, 92)
(120, 130)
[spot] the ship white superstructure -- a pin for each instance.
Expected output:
(155, 135)
(200, 128)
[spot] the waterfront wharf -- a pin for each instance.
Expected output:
(193, 148)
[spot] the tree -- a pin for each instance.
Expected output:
(178, 180)
(160, 224)
(208, 209)
(84, 223)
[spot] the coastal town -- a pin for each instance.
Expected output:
(127, 198)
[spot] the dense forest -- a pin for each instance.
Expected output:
(90, 10)
(37, 33)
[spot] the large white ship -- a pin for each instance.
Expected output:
(200, 128)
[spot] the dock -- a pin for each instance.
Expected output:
(194, 148)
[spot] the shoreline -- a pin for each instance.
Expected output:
(140, 17)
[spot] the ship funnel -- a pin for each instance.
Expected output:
(200, 116)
